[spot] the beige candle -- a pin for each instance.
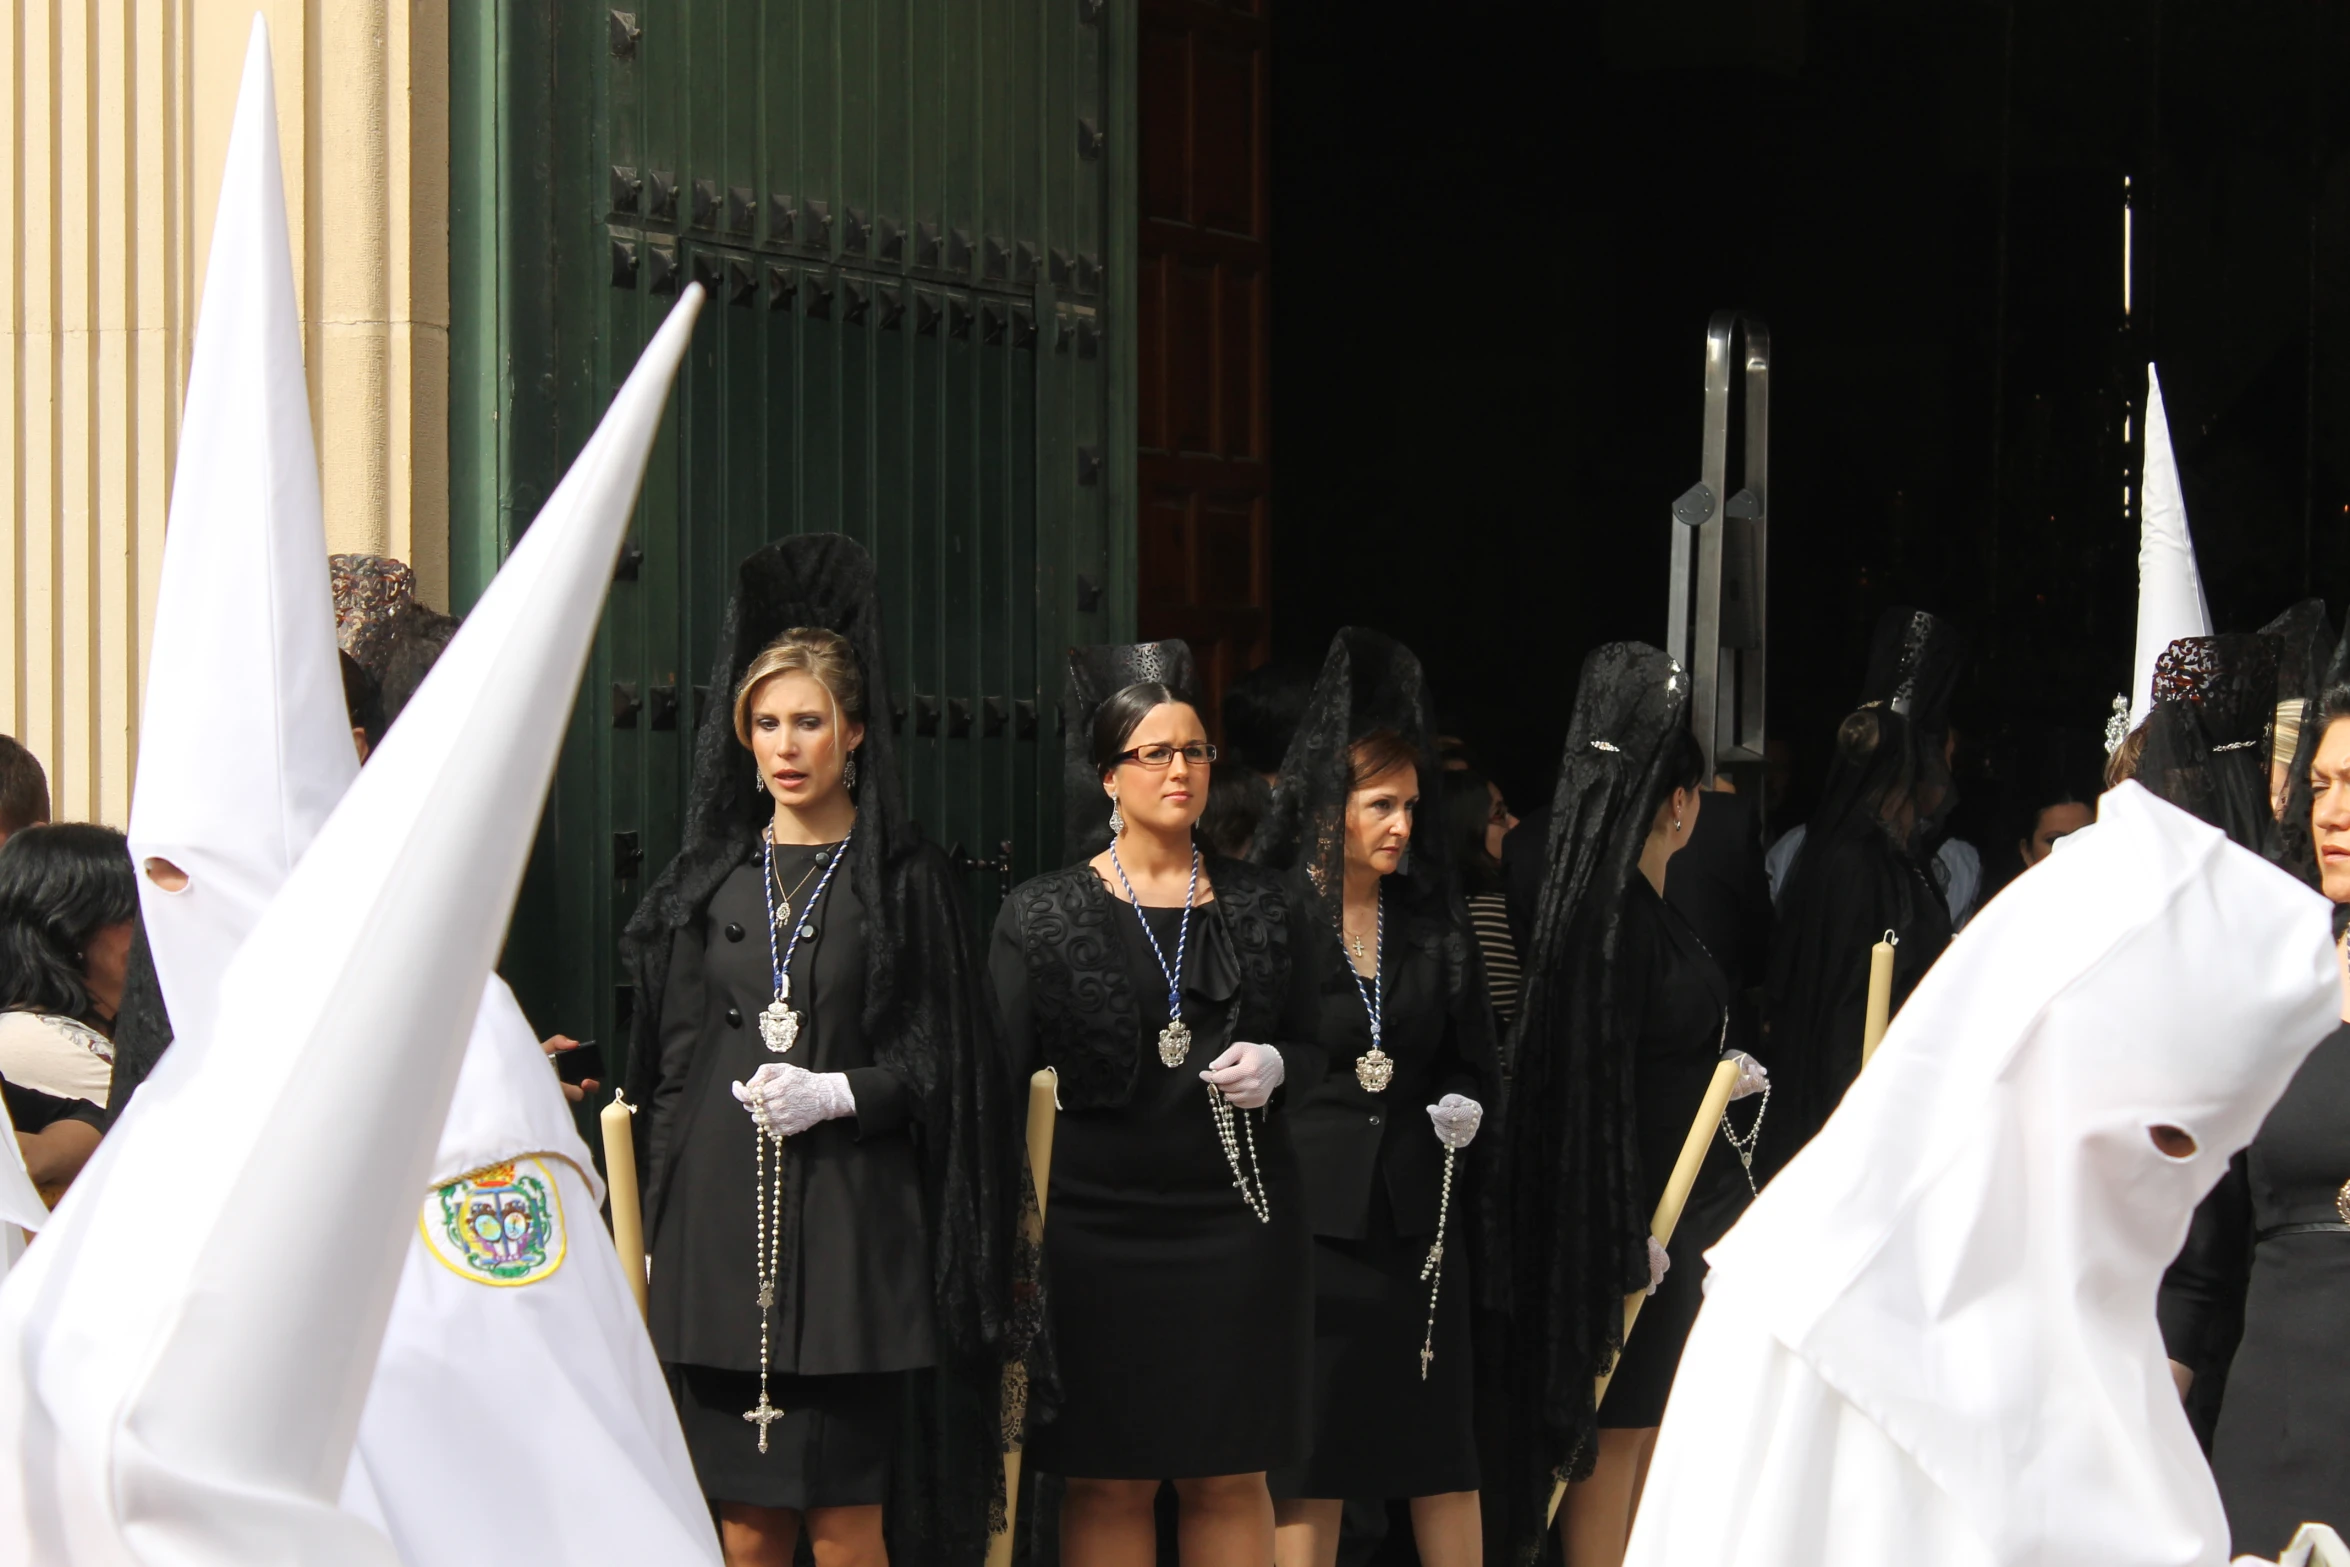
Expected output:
(1043, 1109)
(1880, 1013)
(628, 1221)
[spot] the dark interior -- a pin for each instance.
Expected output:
(1498, 230)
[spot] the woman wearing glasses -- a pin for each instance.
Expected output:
(1156, 980)
(1401, 1009)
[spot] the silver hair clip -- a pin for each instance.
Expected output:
(2234, 745)
(2117, 728)
(1604, 745)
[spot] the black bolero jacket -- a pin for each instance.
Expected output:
(1083, 1018)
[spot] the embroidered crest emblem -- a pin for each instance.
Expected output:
(502, 1225)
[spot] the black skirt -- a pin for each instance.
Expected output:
(1636, 1394)
(1380, 1431)
(832, 1447)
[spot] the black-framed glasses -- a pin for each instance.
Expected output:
(1158, 758)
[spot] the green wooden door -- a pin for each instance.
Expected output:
(913, 218)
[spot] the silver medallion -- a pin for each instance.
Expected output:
(779, 1026)
(1174, 1042)
(1374, 1071)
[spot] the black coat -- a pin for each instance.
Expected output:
(1437, 1030)
(857, 1282)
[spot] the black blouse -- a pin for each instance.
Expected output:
(855, 1291)
(1076, 1000)
(1675, 999)
(1348, 1136)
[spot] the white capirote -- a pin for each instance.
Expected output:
(1932, 1339)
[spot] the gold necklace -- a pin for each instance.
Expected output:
(783, 900)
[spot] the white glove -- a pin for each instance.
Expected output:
(1248, 1074)
(1753, 1076)
(1658, 1265)
(1456, 1117)
(786, 1100)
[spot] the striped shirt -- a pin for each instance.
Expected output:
(1489, 919)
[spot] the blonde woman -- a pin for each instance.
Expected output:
(830, 1186)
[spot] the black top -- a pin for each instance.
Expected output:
(2282, 1450)
(1717, 883)
(855, 1289)
(30, 1110)
(1848, 889)
(1674, 998)
(1077, 1008)
(1348, 1136)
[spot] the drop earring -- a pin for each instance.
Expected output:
(848, 772)
(758, 778)
(1117, 819)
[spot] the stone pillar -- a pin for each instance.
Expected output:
(118, 118)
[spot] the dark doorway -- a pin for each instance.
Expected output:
(1498, 229)
(1204, 458)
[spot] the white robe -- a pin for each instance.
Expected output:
(1946, 1301)
(595, 1442)
(1802, 1475)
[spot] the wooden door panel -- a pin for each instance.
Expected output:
(1205, 450)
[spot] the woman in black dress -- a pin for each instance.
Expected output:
(2270, 1249)
(1868, 865)
(831, 1181)
(1154, 979)
(1624, 1024)
(1402, 1015)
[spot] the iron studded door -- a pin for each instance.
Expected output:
(901, 212)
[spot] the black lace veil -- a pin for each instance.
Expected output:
(1891, 773)
(1569, 1210)
(1096, 674)
(926, 1012)
(2207, 735)
(2304, 638)
(1369, 682)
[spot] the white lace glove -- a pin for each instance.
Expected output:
(1248, 1074)
(1658, 1265)
(786, 1100)
(1753, 1077)
(1457, 1117)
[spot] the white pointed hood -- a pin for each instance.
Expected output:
(204, 1346)
(232, 791)
(1970, 1249)
(2170, 589)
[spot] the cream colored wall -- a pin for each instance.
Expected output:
(118, 117)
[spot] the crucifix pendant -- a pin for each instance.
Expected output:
(763, 1417)
(779, 1026)
(1427, 1354)
(1174, 1042)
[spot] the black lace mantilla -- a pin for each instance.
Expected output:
(2207, 736)
(1088, 1020)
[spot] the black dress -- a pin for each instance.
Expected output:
(1182, 1324)
(1675, 996)
(1374, 1176)
(1850, 885)
(853, 1311)
(2282, 1450)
